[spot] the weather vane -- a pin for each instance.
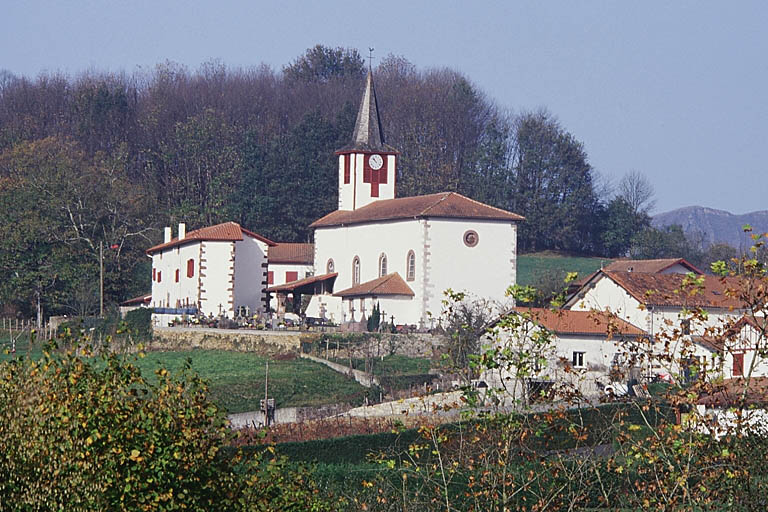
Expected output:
(370, 57)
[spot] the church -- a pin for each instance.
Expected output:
(400, 253)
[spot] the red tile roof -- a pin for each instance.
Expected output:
(650, 266)
(141, 299)
(667, 289)
(731, 392)
(228, 231)
(285, 252)
(566, 321)
(390, 284)
(442, 205)
(293, 285)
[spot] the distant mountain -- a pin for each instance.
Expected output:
(716, 226)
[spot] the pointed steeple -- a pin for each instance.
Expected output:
(368, 135)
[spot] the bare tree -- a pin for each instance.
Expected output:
(636, 190)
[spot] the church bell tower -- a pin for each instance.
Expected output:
(367, 166)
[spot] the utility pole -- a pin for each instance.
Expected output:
(101, 279)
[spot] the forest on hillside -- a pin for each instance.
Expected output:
(109, 158)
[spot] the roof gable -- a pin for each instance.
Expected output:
(225, 232)
(671, 290)
(444, 204)
(390, 284)
(650, 266)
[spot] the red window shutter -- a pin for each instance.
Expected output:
(291, 276)
(177, 275)
(154, 274)
(738, 365)
(190, 268)
(159, 276)
(270, 277)
(347, 159)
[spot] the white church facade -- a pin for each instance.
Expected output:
(432, 242)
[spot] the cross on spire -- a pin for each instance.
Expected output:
(370, 57)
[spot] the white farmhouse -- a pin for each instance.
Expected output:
(582, 349)
(661, 304)
(428, 243)
(214, 270)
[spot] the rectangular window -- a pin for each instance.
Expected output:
(347, 159)
(177, 275)
(270, 277)
(159, 276)
(578, 359)
(291, 276)
(154, 274)
(190, 268)
(738, 365)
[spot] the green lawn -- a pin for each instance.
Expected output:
(391, 365)
(532, 267)
(237, 379)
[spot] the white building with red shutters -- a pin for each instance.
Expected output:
(289, 262)
(214, 270)
(427, 243)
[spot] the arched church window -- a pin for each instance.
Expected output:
(355, 271)
(330, 267)
(382, 265)
(410, 272)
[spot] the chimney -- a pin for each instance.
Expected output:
(167, 234)
(182, 231)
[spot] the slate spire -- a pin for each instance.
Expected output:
(368, 135)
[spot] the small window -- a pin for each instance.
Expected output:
(190, 268)
(738, 364)
(159, 276)
(154, 274)
(578, 359)
(356, 271)
(177, 275)
(291, 276)
(382, 265)
(270, 277)
(330, 267)
(410, 272)
(471, 238)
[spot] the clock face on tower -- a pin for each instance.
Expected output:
(375, 162)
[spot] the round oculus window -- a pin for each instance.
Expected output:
(471, 238)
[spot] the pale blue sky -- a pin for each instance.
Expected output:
(678, 90)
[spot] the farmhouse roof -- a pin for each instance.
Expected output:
(650, 266)
(441, 205)
(390, 284)
(672, 290)
(285, 252)
(566, 321)
(731, 391)
(228, 231)
(368, 134)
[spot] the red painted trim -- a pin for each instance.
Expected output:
(291, 276)
(270, 277)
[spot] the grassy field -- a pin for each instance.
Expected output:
(531, 268)
(237, 379)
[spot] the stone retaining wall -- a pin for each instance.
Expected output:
(236, 340)
(362, 378)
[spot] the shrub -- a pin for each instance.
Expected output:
(86, 433)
